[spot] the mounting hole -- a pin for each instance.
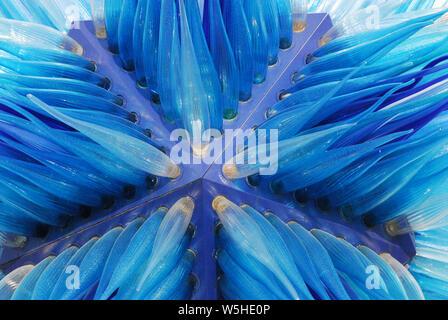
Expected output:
(218, 227)
(230, 114)
(42, 231)
(151, 182)
(106, 83)
(113, 49)
(85, 212)
(273, 61)
(95, 66)
(108, 202)
(121, 101)
(344, 215)
(259, 78)
(245, 97)
(129, 192)
(192, 230)
(308, 59)
(368, 220)
(283, 95)
(142, 84)
(148, 133)
(163, 149)
(194, 280)
(155, 97)
(133, 117)
(301, 197)
(346, 211)
(295, 78)
(128, 66)
(253, 180)
(323, 204)
(285, 43)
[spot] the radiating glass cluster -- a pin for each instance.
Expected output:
(362, 130)
(149, 259)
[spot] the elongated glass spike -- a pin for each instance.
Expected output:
(250, 161)
(50, 69)
(29, 52)
(270, 16)
(175, 77)
(136, 254)
(368, 51)
(116, 253)
(38, 196)
(241, 41)
(127, 19)
(429, 267)
(409, 200)
(177, 285)
(16, 221)
(351, 262)
(281, 253)
(224, 60)
(137, 41)
(92, 153)
(298, 253)
(260, 40)
(387, 273)
(428, 216)
(9, 240)
(285, 23)
(26, 287)
(336, 160)
(195, 112)
(153, 282)
(53, 13)
(33, 34)
(368, 18)
(51, 274)
(60, 13)
(244, 285)
(60, 286)
(321, 259)
(75, 10)
(151, 43)
(156, 162)
(92, 265)
(99, 18)
(247, 236)
(170, 233)
(228, 289)
(71, 85)
(67, 167)
(74, 100)
(370, 34)
(397, 180)
(412, 288)
(16, 10)
(168, 61)
(299, 11)
(311, 114)
(11, 197)
(112, 12)
(210, 80)
(254, 268)
(10, 282)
